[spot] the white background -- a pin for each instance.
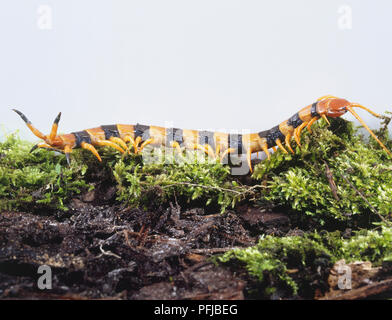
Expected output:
(204, 64)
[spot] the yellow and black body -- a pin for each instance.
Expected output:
(124, 137)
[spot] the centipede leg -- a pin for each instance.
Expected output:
(136, 144)
(287, 141)
(226, 152)
(67, 151)
(309, 125)
(145, 143)
(176, 145)
(91, 148)
(265, 149)
(208, 149)
(326, 119)
(274, 148)
(110, 144)
(297, 133)
(44, 145)
(249, 159)
(280, 145)
(120, 142)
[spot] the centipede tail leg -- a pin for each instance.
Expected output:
(34, 130)
(55, 125)
(91, 148)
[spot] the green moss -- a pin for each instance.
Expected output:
(296, 181)
(300, 181)
(36, 180)
(272, 258)
(187, 179)
(42, 179)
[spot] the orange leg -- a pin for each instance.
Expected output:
(67, 151)
(136, 144)
(55, 125)
(35, 131)
(325, 118)
(46, 146)
(226, 152)
(280, 145)
(297, 133)
(265, 149)
(120, 142)
(145, 143)
(311, 123)
(287, 141)
(175, 144)
(249, 159)
(91, 148)
(108, 143)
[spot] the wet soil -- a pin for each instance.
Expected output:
(102, 250)
(109, 251)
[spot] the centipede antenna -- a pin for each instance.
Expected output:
(55, 125)
(367, 109)
(34, 130)
(368, 129)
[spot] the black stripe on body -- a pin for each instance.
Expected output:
(142, 131)
(313, 110)
(235, 142)
(81, 136)
(295, 121)
(207, 137)
(110, 131)
(272, 135)
(174, 134)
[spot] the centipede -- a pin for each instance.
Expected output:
(124, 137)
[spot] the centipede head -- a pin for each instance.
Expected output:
(335, 107)
(52, 140)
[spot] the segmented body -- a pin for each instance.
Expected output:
(215, 144)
